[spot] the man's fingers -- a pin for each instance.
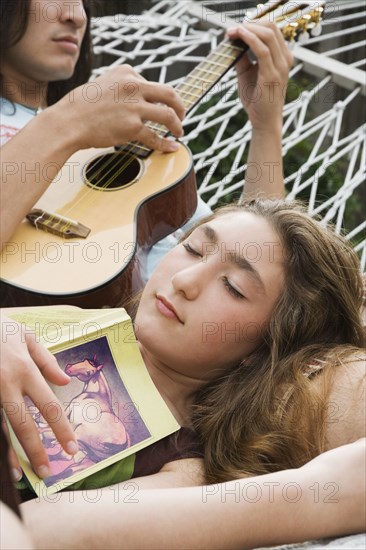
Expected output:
(161, 114)
(162, 93)
(267, 43)
(154, 141)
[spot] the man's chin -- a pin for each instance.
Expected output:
(61, 75)
(61, 71)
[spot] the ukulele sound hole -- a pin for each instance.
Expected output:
(113, 171)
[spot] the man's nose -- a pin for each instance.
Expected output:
(74, 12)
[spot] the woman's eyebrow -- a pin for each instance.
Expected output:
(210, 233)
(234, 257)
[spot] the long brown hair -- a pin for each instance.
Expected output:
(14, 16)
(264, 415)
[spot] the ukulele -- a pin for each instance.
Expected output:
(86, 240)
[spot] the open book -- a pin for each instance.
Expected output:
(110, 400)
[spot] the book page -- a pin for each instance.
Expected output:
(63, 323)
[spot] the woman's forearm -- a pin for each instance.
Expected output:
(324, 498)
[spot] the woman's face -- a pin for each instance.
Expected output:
(207, 303)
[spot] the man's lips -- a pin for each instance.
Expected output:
(69, 42)
(67, 38)
(166, 308)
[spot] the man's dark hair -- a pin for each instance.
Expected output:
(14, 15)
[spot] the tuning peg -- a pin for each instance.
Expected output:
(316, 30)
(316, 16)
(303, 37)
(290, 32)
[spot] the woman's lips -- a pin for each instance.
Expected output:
(167, 309)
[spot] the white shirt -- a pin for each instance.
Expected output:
(13, 117)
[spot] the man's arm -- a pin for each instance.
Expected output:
(262, 89)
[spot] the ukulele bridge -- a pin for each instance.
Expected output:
(57, 225)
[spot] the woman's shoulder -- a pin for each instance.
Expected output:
(353, 362)
(336, 361)
(346, 404)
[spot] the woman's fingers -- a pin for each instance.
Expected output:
(42, 395)
(25, 365)
(16, 470)
(21, 421)
(23, 418)
(45, 361)
(53, 414)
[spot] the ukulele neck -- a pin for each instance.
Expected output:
(197, 84)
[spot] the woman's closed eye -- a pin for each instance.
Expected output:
(191, 250)
(233, 291)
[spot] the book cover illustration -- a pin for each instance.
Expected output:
(111, 401)
(99, 407)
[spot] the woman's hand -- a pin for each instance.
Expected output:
(262, 85)
(25, 364)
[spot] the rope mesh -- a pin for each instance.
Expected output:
(324, 144)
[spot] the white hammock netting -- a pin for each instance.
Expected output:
(324, 143)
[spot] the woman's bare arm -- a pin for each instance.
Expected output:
(324, 498)
(346, 408)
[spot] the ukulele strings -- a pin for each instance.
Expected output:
(118, 162)
(126, 157)
(158, 127)
(262, 13)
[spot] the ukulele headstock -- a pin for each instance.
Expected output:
(296, 20)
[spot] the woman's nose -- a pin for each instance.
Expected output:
(188, 281)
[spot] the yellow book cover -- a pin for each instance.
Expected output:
(111, 401)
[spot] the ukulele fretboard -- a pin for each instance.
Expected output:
(196, 85)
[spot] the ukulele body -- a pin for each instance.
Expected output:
(149, 199)
(120, 222)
